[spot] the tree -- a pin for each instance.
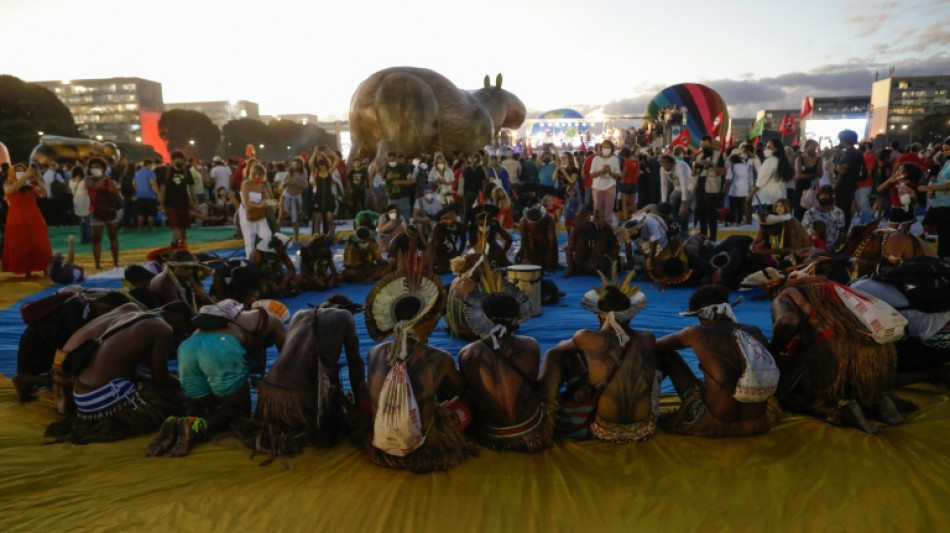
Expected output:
(934, 127)
(189, 131)
(26, 109)
(244, 131)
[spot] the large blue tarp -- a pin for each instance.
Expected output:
(556, 323)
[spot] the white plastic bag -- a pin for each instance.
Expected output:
(883, 322)
(760, 377)
(397, 429)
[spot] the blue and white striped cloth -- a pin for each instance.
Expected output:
(105, 397)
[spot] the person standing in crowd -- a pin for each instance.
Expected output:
(546, 174)
(509, 161)
(710, 167)
(198, 173)
(807, 171)
(398, 182)
(50, 205)
(497, 175)
(939, 204)
(324, 200)
(474, 180)
(441, 176)
(292, 195)
(863, 193)
(26, 246)
(176, 197)
(674, 183)
(104, 201)
(77, 184)
(849, 166)
(649, 185)
(529, 170)
(901, 191)
(738, 184)
(252, 213)
(221, 174)
(604, 171)
(146, 202)
(359, 178)
(772, 176)
(628, 184)
(123, 174)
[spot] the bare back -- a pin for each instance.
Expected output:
(295, 367)
(628, 397)
(502, 397)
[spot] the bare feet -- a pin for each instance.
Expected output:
(887, 412)
(851, 415)
(186, 436)
(23, 391)
(166, 438)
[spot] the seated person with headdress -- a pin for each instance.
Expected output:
(735, 397)
(447, 240)
(591, 246)
(468, 276)
(95, 379)
(317, 269)
(274, 266)
(214, 365)
(179, 281)
(538, 239)
(500, 371)
(781, 237)
(301, 399)
(427, 436)
(389, 225)
(362, 262)
(486, 235)
(611, 372)
(830, 366)
(236, 279)
(409, 241)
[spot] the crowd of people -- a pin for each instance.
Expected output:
(411, 405)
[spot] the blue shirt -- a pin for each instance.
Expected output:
(942, 198)
(143, 183)
(546, 174)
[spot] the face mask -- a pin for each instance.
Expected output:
(440, 166)
(423, 166)
(392, 216)
(905, 199)
(744, 157)
(392, 164)
(429, 196)
(767, 152)
(826, 201)
(95, 172)
(605, 151)
(20, 175)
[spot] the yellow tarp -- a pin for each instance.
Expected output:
(803, 476)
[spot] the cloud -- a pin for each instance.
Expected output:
(868, 23)
(745, 97)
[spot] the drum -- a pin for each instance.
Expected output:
(528, 279)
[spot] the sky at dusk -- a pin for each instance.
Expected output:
(598, 56)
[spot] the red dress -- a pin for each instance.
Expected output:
(26, 246)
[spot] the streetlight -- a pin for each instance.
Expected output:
(138, 139)
(191, 142)
(261, 146)
(288, 148)
(40, 133)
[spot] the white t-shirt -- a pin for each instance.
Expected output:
(514, 170)
(738, 175)
(770, 184)
(680, 177)
(602, 183)
(221, 174)
(445, 175)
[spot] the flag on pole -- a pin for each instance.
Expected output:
(716, 123)
(806, 107)
(757, 128)
(788, 126)
(682, 139)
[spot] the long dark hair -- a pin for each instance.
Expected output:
(785, 170)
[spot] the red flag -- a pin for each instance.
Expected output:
(783, 125)
(788, 126)
(715, 125)
(806, 107)
(795, 141)
(682, 139)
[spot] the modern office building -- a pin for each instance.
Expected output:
(221, 111)
(299, 118)
(124, 110)
(897, 102)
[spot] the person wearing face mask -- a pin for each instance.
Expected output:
(774, 172)
(605, 169)
(176, 197)
(851, 170)
(359, 178)
(826, 214)
(807, 171)
(362, 260)
(398, 182)
(26, 245)
(104, 201)
(292, 196)
(902, 189)
(447, 240)
(390, 225)
(426, 210)
(441, 176)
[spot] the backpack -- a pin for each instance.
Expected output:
(397, 429)
(760, 377)
(883, 322)
(923, 280)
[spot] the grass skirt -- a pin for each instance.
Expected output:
(445, 447)
(538, 438)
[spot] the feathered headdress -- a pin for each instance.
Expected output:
(493, 288)
(595, 300)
